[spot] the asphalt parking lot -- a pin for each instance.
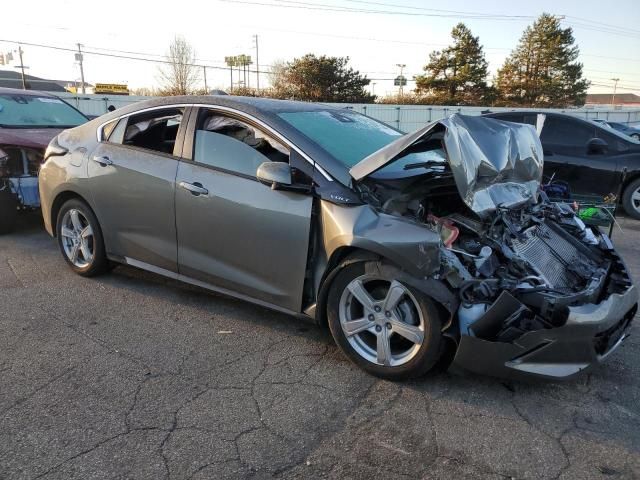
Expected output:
(130, 375)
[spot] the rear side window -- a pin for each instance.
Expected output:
(566, 131)
(156, 130)
(233, 145)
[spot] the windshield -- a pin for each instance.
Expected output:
(30, 111)
(347, 136)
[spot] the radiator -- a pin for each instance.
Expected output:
(553, 256)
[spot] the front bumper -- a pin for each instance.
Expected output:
(591, 333)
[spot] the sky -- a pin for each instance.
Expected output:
(406, 31)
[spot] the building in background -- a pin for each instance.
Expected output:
(626, 99)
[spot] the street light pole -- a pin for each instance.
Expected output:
(257, 64)
(401, 65)
(24, 82)
(79, 58)
(615, 85)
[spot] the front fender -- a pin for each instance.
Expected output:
(413, 247)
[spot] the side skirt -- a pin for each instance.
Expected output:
(199, 283)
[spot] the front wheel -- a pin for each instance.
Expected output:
(80, 239)
(386, 327)
(631, 199)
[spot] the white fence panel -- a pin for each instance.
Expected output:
(404, 117)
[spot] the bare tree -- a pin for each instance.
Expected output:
(179, 74)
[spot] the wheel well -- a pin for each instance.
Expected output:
(627, 182)
(346, 255)
(57, 204)
(341, 256)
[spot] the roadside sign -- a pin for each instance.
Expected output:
(400, 81)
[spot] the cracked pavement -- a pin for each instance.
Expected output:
(131, 375)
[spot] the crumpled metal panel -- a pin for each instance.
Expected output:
(494, 163)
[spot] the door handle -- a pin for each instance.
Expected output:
(195, 188)
(103, 160)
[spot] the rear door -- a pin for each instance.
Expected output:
(235, 233)
(567, 158)
(132, 178)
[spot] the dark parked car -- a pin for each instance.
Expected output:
(632, 132)
(588, 156)
(405, 245)
(28, 122)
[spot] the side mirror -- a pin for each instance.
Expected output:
(274, 174)
(597, 146)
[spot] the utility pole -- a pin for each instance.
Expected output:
(255, 38)
(79, 59)
(24, 82)
(401, 65)
(373, 88)
(204, 70)
(615, 86)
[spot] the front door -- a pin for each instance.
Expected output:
(132, 179)
(234, 232)
(567, 158)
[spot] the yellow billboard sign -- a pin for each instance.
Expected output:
(111, 88)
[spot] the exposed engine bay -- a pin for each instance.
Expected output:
(517, 262)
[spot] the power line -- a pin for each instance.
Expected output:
(608, 25)
(336, 8)
(140, 56)
(439, 10)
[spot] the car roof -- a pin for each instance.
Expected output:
(266, 110)
(28, 93)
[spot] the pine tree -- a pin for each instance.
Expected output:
(320, 79)
(542, 71)
(457, 74)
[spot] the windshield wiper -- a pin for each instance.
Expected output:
(427, 164)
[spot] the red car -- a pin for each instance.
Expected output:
(28, 122)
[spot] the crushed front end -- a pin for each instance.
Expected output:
(538, 292)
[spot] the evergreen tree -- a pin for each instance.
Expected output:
(320, 79)
(457, 74)
(542, 71)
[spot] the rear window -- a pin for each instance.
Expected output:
(347, 136)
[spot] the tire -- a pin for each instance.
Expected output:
(8, 210)
(413, 315)
(80, 239)
(635, 135)
(631, 199)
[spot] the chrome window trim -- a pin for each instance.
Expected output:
(221, 108)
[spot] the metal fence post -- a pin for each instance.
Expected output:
(364, 109)
(430, 109)
(398, 118)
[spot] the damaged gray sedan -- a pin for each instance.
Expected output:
(411, 248)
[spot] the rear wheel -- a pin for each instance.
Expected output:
(383, 325)
(80, 239)
(8, 209)
(631, 199)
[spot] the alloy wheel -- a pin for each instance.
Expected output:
(77, 238)
(635, 199)
(382, 320)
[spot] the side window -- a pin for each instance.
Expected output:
(510, 117)
(233, 145)
(156, 130)
(115, 134)
(565, 131)
(107, 129)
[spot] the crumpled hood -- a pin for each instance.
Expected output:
(494, 163)
(28, 137)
